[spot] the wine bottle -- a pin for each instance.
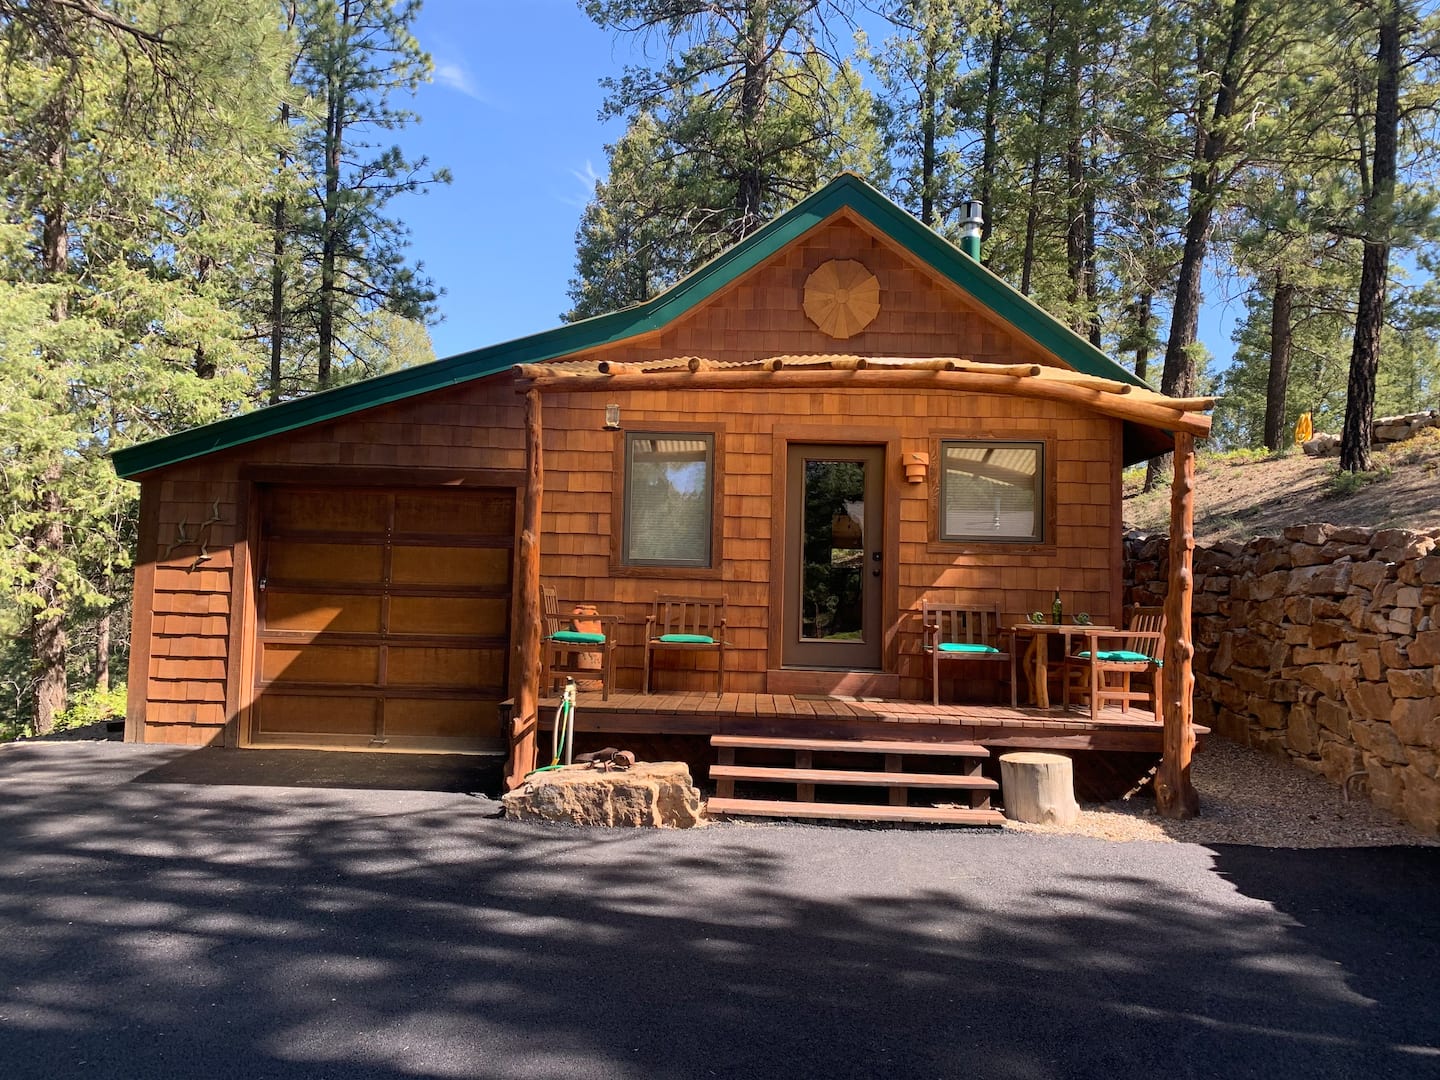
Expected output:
(1057, 611)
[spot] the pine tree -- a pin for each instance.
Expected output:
(752, 110)
(337, 253)
(131, 134)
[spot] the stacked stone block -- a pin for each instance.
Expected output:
(1322, 645)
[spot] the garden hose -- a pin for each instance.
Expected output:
(562, 740)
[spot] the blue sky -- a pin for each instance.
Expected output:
(513, 113)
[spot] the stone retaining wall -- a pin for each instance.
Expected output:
(1322, 645)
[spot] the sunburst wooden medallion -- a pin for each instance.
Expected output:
(842, 297)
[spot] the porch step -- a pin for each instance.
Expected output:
(935, 815)
(853, 746)
(848, 777)
(807, 778)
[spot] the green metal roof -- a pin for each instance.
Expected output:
(845, 192)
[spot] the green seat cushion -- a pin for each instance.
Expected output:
(686, 639)
(575, 637)
(1123, 656)
(966, 647)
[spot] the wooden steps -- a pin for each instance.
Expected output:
(805, 778)
(851, 746)
(934, 815)
(848, 777)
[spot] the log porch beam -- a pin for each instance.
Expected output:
(1148, 408)
(1175, 794)
(526, 721)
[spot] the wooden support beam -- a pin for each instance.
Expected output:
(699, 363)
(1093, 382)
(1189, 404)
(611, 367)
(1152, 411)
(1018, 371)
(526, 721)
(1175, 795)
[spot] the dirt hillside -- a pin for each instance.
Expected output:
(1245, 494)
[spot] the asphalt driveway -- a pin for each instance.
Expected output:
(287, 925)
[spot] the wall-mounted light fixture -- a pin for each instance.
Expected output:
(917, 466)
(612, 416)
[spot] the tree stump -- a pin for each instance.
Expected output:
(1038, 788)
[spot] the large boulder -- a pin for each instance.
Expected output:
(657, 793)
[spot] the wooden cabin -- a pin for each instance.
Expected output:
(839, 418)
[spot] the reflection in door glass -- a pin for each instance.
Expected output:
(833, 552)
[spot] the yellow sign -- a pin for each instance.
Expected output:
(1304, 429)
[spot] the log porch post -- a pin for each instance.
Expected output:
(525, 721)
(1175, 795)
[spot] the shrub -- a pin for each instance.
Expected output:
(1341, 483)
(91, 707)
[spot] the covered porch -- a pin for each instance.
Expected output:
(921, 726)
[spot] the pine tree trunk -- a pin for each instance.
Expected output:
(750, 193)
(927, 153)
(1032, 214)
(277, 275)
(1178, 378)
(47, 630)
(990, 151)
(330, 226)
(1279, 379)
(102, 653)
(1374, 267)
(1092, 273)
(47, 625)
(1075, 191)
(1142, 334)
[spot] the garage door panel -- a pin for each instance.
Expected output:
(351, 564)
(351, 510)
(385, 616)
(467, 567)
(443, 668)
(324, 664)
(454, 514)
(431, 615)
(336, 613)
(298, 714)
(439, 718)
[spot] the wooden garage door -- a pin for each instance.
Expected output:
(384, 617)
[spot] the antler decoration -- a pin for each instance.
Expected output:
(200, 540)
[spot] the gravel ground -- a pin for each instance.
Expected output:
(1249, 798)
(1245, 798)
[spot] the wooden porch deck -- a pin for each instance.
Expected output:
(815, 716)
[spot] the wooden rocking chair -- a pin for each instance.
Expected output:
(1103, 668)
(955, 633)
(686, 624)
(563, 647)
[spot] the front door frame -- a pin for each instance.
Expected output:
(857, 435)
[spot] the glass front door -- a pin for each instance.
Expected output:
(834, 556)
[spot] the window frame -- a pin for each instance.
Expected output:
(621, 563)
(1044, 493)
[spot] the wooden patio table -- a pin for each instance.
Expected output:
(1036, 660)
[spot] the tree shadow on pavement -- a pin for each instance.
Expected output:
(328, 769)
(161, 930)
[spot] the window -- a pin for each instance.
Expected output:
(991, 491)
(669, 498)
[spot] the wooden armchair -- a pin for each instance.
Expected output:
(1108, 659)
(954, 633)
(563, 647)
(686, 624)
